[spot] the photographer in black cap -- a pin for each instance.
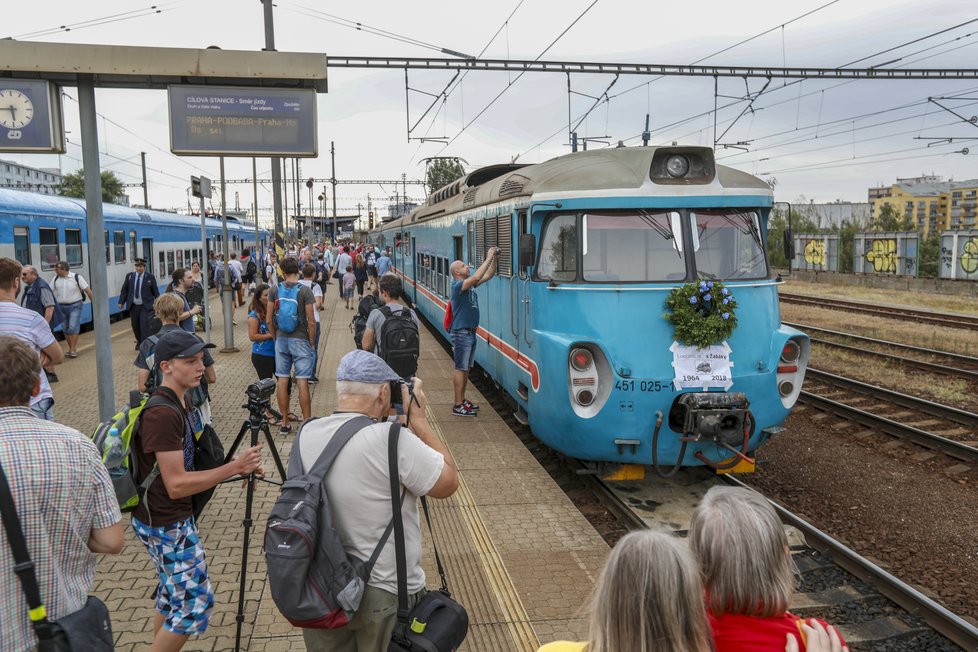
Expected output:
(164, 520)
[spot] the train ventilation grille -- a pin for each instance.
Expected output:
(513, 185)
(469, 197)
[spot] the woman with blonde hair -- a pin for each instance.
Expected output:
(748, 574)
(648, 598)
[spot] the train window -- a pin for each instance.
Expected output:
(632, 247)
(170, 263)
(162, 262)
(133, 249)
(179, 257)
(119, 242)
(187, 257)
(108, 249)
(73, 247)
(728, 244)
(22, 245)
(558, 249)
(50, 252)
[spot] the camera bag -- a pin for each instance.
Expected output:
(436, 623)
(86, 630)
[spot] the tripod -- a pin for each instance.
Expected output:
(257, 423)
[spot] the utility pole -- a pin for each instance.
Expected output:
(332, 158)
(276, 162)
(254, 183)
(145, 189)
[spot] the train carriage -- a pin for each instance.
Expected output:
(573, 325)
(40, 230)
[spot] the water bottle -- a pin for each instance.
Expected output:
(115, 453)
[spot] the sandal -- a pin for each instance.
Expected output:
(284, 430)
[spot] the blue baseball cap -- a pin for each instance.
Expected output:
(361, 366)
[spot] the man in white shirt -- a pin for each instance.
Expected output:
(359, 489)
(237, 274)
(70, 290)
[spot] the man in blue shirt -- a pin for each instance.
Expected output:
(465, 322)
(383, 263)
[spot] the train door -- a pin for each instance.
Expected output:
(148, 254)
(520, 288)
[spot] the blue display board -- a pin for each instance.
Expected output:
(30, 117)
(226, 121)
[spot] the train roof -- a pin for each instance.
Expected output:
(23, 202)
(624, 169)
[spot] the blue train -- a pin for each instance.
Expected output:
(40, 230)
(573, 326)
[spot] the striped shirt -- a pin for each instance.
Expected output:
(30, 327)
(62, 492)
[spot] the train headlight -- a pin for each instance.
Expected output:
(791, 369)
(677, 166)
(581, 359)
(790, 352)
(585, 397)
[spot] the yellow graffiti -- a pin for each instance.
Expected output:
(815, 252)
(969, 256)
(883, 256)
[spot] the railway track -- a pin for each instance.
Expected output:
(893, 312)
(942, 362)
(835, 579)
(959, 424)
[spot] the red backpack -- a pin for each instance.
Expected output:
(448, 316)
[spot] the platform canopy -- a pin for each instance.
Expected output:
(125, 66)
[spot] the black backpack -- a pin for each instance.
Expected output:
(399, 343)
(359, 322)
(251, 270)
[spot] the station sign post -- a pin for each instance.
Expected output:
(201, 187)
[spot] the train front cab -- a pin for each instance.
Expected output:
(608, 390)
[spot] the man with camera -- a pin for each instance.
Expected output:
(465, 323)
(164, 519)
(358, 485)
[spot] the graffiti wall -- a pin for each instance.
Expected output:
(816, 252)
(893, 254)
(959, 255)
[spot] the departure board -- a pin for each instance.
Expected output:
(226, 121)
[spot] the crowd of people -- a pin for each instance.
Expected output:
(727, 588)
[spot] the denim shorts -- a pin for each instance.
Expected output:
(463, 348)
(296, 351)
(73, 314)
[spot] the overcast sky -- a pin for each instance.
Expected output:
(821, 140)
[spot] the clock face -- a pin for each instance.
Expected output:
(16, 109)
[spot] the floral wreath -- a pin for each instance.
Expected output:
(702, 313)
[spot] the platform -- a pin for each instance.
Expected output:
(518, 554)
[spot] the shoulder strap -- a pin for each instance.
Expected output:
(386, 312)
(23, 566)
(399, 552)
(336, 443)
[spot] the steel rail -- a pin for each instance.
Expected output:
(923, 316)
(969, 361)
(946, 412)
(893, 428)
(944, 621)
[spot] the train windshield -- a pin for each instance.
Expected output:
(727, 244)
(632, 246)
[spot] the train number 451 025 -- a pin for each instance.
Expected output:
(639, 385)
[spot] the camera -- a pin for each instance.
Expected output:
(396, 390)
(262, 390)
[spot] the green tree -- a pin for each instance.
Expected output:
(847, 242)
(889, 219)
(73, 185)
(777, 226)
(442, 171)
(929, 254)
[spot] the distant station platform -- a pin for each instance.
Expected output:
(519, 555)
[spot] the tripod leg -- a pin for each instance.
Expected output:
(274, 451)
(249, 501)
(237, 441)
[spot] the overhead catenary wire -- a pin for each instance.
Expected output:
(103, 20)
